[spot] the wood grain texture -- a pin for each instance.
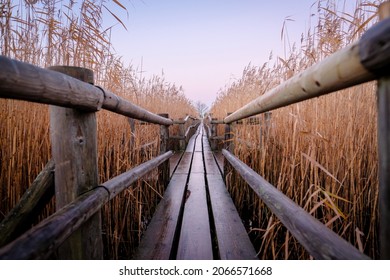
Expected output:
(195, 237)
(74, 148)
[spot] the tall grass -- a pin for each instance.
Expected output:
(47, 33)
(322, 153)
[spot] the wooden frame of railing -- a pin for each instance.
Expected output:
(75, 228)
(366, 60)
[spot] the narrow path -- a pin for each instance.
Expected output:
(196, 219)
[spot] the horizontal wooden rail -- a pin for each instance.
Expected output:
(183, 121)
(357, 63)
(318, 240)
(23, 81)
(42, 240)
(187, 133)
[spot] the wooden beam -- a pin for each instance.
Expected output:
(318, 240)
(23, 81)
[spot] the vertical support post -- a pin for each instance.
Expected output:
(132, 131)
(213, 141)
(74, 147)
(163, 169)
(228, 145)
(383, 95)
(182, 132)
(265, 124)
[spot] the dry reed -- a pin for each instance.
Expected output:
(47, 33)
(322, 153)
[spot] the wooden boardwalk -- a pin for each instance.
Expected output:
(196, 219)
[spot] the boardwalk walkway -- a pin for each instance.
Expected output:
(196, 219)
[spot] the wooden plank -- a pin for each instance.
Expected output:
(174, 161)
(233, 240)
(191, 143)
(220, 159)
(195, 238)
(159, 236)
(184, 164)
(320, 241)
(197, 163)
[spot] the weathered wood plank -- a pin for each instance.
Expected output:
(158, 239)
(195, 238)
(174, 162)
(191, 143)
(318, 240)
(184, 164)
(197, 163)
(233, 240)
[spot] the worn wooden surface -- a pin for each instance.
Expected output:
(233, 240)
(174, 162)
(196, 214)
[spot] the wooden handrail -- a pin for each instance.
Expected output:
(23, 81)
(357, 63)
(42, 240)
(318, 240)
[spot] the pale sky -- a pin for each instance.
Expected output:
(205, 45)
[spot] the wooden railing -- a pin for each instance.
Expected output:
(75, 228)
(366, 60)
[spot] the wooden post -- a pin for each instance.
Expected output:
(182, 132)
(265, 121)
(164, 168)
(74, 148)
(213, 141)
(132, 131)
(228, 145)
(383, 95)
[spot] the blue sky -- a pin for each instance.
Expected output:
(205, 45)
